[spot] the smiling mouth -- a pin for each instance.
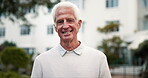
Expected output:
(66, 32)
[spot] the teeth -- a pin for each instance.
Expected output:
(66, 32)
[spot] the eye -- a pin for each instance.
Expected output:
(59, 22)
(70, 20)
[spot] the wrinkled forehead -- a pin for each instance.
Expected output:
(64, 10)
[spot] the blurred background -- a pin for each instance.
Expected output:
(119, 28)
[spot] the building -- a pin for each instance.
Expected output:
(132, 15)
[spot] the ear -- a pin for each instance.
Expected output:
(79, 23)
(55, 27)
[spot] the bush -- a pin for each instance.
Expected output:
(25, 76)
(112, 48)
(9, 74)
(16, 57)
(7, 44)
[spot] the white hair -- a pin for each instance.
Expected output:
(66, 4)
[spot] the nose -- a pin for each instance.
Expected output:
(65, 25)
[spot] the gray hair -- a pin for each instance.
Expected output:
(66, 4)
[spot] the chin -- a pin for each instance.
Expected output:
(67, 39)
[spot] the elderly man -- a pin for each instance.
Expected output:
(70, 58)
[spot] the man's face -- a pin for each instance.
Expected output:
(66, 24)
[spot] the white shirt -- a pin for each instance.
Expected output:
(83, 62)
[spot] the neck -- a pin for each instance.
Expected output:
(70, 45)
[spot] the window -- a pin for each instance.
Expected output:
(25, 30)
(145, 3)
(50, 29)
(2, 32)
(79, 3)
(145, 25)
(29, 50)
(115, 25)
(111, 3)
(109, 22)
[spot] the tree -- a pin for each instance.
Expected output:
(7, 44)
(17, 9)
(9, 74)
(142, 52)
(111, 47)
(109, 28)
(14, 57)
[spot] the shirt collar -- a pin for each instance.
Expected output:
(77, 51)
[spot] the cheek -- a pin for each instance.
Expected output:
(57, 29)
(77, 27)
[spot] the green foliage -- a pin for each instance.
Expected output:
(111, 48)
(9, 74)
(15, 56)
(19, 8)
(112, 58)
(111, 45)
(7, 44)
(109, 28)
(142, 50)
(104, 46)
(25, 76)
